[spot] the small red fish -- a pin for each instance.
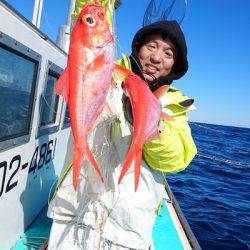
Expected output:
(146, 115)
(86, 80)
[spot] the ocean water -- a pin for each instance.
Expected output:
(214, 191)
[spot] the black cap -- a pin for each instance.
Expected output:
(172, 30)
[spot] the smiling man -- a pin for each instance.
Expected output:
(159, 53)
(159, 56)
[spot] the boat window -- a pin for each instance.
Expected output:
(18, 75)
(49, 103)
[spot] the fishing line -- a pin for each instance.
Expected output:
(47, 20)
(123, 49)
(207, 128)
(107, 172)
(117, 41)
(98, 216)
(49, 26)
(50, 107)
(33, 237)
(87, 185)
(226, 161)
(51, 187)
(48, 66)
(215, 158)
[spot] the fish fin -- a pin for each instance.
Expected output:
(167, 117)
(137, 168)
(120, 73)
(62, 85)
(93, 162)
(161, 91)
(97, 64)
(77, 164)
(128, 161)
(122, 69)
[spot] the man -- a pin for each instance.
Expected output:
(108, 216)
(159, 56)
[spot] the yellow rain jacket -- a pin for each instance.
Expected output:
(175, 148)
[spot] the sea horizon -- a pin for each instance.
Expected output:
(225, 125)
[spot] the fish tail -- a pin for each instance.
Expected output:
(93, 162)
(77, 164)
(137, 168)
(129, 158)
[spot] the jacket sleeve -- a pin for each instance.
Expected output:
(175, 148)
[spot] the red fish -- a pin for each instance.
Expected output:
(86, 80)
(146, 115)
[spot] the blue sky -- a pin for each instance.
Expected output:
(218, 39)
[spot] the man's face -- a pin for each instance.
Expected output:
(157, 57)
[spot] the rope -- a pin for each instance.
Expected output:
(207, 128)
(60, 181)
(218, 159)
(226, 161)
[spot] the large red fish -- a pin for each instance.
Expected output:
(146, 115)
(86, 80)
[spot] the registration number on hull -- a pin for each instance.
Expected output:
(42, 156)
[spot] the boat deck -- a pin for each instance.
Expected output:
(167, 232)
(36, 236)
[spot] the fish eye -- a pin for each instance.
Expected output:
(89, 19)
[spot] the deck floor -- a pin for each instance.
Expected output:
(165, 235)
